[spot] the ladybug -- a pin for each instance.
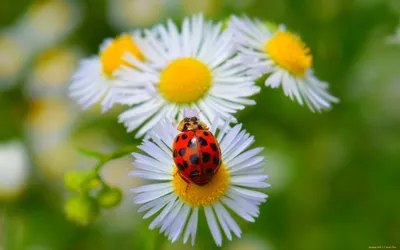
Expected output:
(196, 152)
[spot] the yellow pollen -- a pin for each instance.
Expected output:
(111, 57)
(195, 195)
(289, 52)
(185, 81)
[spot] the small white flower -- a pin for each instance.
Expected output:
(194, 68)
(394, 38)
(285, 57)
(179, 203)
(14, 169)
(93, 81)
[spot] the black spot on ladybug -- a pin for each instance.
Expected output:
(202, 141)
(194, 159)
(195, 123)
(185, 164)
(177, 138)
(194, 173)
(182, 151)
(192, 143)
(180, 166)
(205, 133)
(205, 157)
(215, 160)
(214, 146)
(184, 136)
(175, 153)
(199, 127)
(210, 171)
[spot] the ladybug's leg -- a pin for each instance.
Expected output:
(187, 186)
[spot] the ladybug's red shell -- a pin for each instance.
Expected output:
(197, 155)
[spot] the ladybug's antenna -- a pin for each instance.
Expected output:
(198, 113)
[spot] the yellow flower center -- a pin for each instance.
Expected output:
(195, 195)
(289, 52)
(185, 81)
(111, 57)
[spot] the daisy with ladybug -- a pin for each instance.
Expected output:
(195, 169)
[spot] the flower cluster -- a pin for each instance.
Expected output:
(210, 69)
(160, 72)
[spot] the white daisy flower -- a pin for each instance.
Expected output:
(194, 68)
(285, 57)
(14, 169)
(394, 38)
(179, 203)
(94, 78)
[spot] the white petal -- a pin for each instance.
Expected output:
(160, 204)
(178, 227)
(149, 175)
(243, 157)
(248, 178)
(152, 187)
(213, 225)
(256, 169)
(171, 216)
(250, 206)
(250, 163)
(249, 193)
(153, 203)
(237, 209)
(156, 151)
(153, 164)
(234, 227)
(240, 145)
(155, 119)
(162, 215)
(151, 195)
(275, 79)
(230, 136)
(222, 222)
(191, 227)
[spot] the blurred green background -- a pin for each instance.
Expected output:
(335, 176)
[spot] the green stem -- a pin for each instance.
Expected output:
(9, 230)
(104, 158)
(99, 165)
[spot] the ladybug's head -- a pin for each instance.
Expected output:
(191, 123)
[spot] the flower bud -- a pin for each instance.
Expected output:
(75, 181)
(109, 197)
(81, 209)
